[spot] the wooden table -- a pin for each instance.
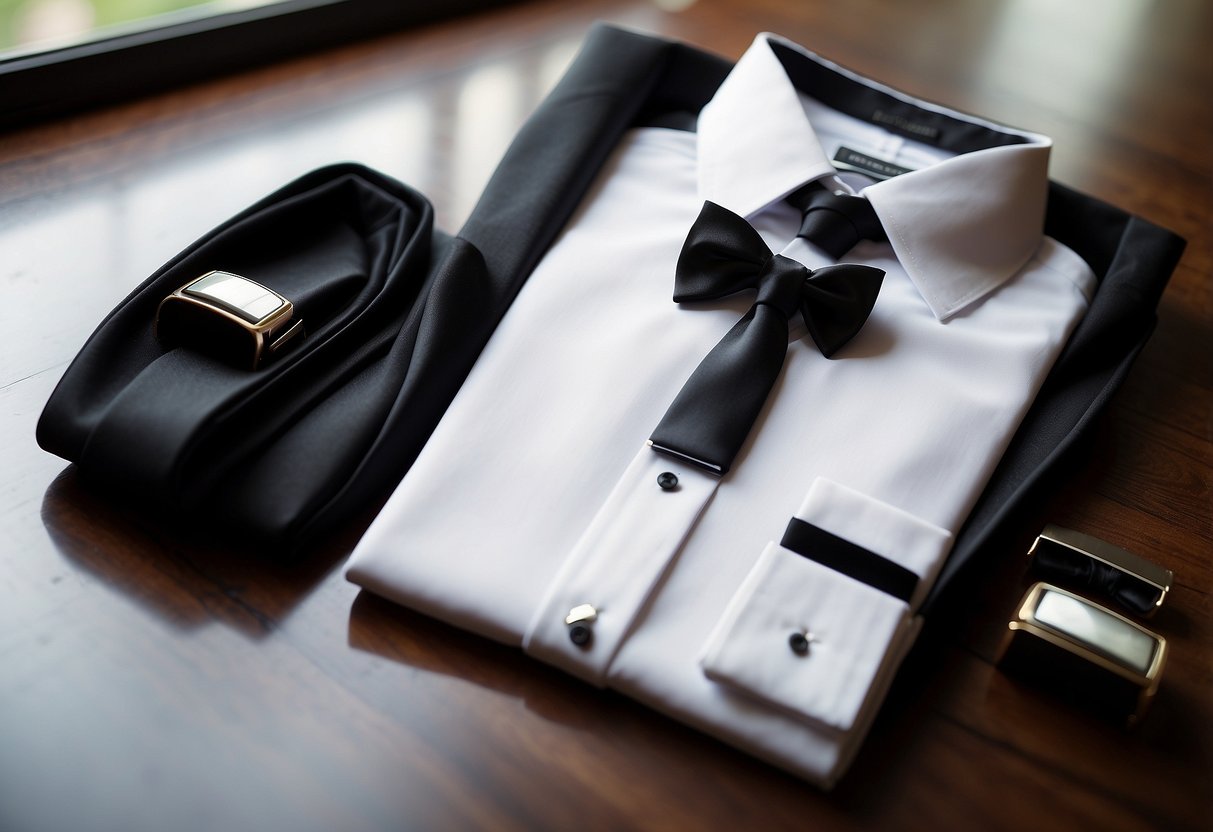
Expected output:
(147, 683)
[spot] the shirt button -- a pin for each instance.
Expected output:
(668, 480)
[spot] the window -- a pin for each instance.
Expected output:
(57, 56)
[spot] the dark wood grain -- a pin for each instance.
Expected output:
(152, 683)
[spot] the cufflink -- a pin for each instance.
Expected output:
(1099, 568)
(228, 317)
(1101, 661)
(580, 622)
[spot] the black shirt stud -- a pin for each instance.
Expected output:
(800, 641)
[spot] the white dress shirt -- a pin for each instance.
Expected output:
(537, 493)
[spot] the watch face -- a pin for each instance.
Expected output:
(240, 296)
(1098, 630)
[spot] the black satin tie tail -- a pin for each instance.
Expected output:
(712, 414)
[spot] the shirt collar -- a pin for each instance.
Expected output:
(960, 228)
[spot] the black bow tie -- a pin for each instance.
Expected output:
(713, 413)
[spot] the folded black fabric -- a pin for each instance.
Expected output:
(278, 452)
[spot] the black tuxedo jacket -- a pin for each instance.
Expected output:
(296, 448)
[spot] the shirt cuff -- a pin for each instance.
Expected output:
(884, 530)
(811, 640)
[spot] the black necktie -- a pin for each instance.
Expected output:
(835, 222)
(713, 413)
